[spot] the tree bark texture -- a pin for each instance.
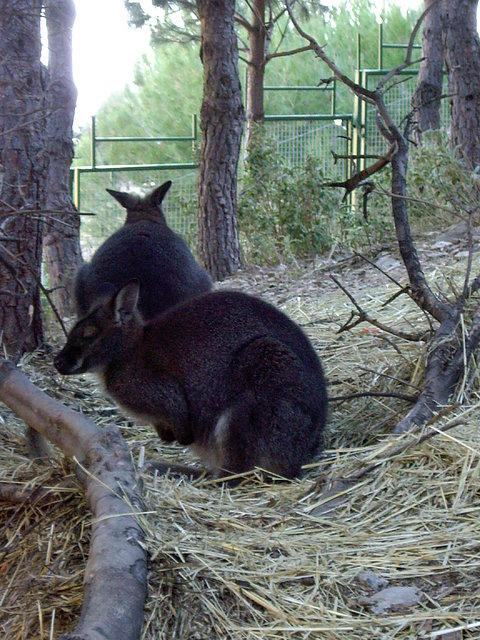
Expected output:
(62, 230)
(447, 357)
(255, 70)
(462, 60)
(427, 97)
(420, 290)
(24, 163)
(222, 119)
(116, 572)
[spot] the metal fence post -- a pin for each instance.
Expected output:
(93, 142)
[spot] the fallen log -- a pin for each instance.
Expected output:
(115, 583)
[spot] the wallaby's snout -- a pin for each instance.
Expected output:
(71, 359)
(66, 363)
(107, 332)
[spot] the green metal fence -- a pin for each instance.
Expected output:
(179, 205)
(296, 137)
(299, 137)
(90, 181)
(398, 99)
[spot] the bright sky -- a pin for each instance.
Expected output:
(105, 49)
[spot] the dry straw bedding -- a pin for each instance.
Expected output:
(263, 560)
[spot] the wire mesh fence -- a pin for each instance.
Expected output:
(178, 206)
(295, 138)
(299, 139)
(398, 100)
(331, 139)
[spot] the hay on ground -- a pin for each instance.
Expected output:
(265, 561)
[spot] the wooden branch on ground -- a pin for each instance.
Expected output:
(164, 468)
(446, 363)
(373, 394)
(11, 492)
(402, 289)
(115, 583)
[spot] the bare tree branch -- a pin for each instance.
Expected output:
(243, 22)
(362, 316)
(281, 54)
(447, 356)
(354, 181)
(358, 90)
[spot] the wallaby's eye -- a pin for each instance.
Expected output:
(90, 332)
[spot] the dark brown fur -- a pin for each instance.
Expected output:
(146, 249)
(225, 373)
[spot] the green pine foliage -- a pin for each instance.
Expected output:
(165, 93)
(441, 190)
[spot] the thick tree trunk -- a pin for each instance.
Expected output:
(462, 60)
(22, 154)
(426, 99)
(222, 118)
(62, 240)
(255, 71)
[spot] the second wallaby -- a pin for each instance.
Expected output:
(146, 249)
(226, 373)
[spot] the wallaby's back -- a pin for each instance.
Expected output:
(147, 250)
(250, 374)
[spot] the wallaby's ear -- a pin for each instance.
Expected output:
(158, 194)
(125, 301)
(127, 200)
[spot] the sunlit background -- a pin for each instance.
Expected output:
(105, 49)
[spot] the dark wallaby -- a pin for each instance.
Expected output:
(146, 249)
(226, 373)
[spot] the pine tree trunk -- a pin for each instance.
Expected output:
(22, 155)
(62, 238)
(222, 118)
(462, 60)
(426, 99)
(255, 71)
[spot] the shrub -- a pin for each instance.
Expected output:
(284, 211)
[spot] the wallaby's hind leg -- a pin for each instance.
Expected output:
(276, 418)
(274, 434)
